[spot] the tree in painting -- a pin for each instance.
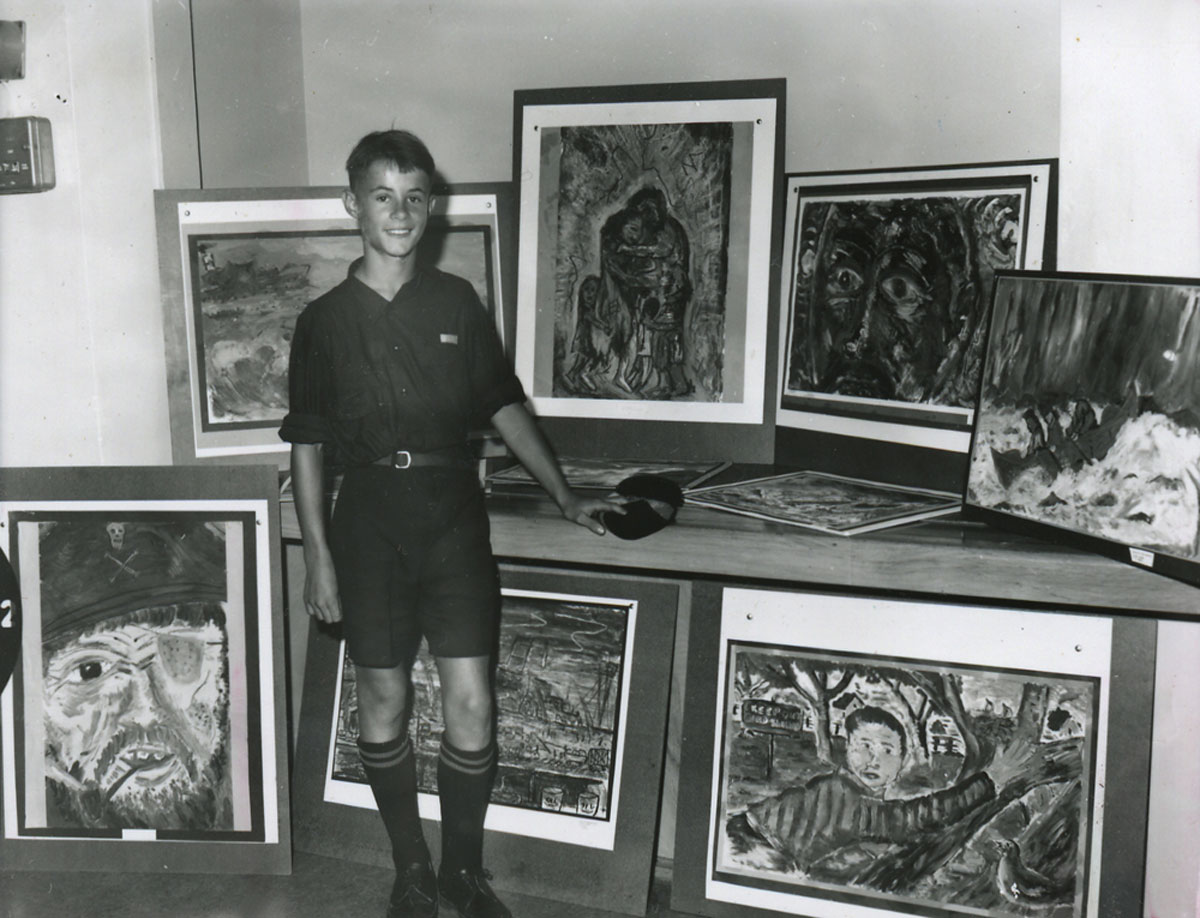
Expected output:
(890, 295)
(924, 784)
(641, 261)
(1089, 414)
(135, 674)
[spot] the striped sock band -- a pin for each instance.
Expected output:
(391, 771)
(468, 763)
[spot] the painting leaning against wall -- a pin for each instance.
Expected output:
(906, 783)
(642, 248)
(137, 717)
(1089, 415)
(561, 681)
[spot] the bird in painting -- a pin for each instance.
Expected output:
(1022, 885)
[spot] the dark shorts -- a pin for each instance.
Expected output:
(413, 556)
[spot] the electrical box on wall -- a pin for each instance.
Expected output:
(26, 155)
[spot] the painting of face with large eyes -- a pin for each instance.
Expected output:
(886, 292)
(888, 296)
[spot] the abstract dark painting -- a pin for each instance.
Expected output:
(944, 771)
(640, 293)
(632, 318)
(1089, 415)
(888, 287)
(561, 691)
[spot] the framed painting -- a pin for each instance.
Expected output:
(582, 678)
(858, 756)
(10, 620)
(886, 288)
(1088, 426)
(827, 503)
(606, 474)
(145, 725)
(238, 266)
(646, 234)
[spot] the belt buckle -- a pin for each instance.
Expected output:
(396, 459)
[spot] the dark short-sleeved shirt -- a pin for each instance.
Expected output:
(368, 377)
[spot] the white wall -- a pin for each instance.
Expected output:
(82, 372)
(870, 83)
(1130, 173)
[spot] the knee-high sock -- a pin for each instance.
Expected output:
(464, 786)
(392, 773)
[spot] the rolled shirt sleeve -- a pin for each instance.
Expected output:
(309, 387)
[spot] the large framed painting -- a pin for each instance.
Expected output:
(237, 267)
(861, 756)
(145, 724)
(582, 677)
(645, 255)
(885, 292)
(1088, 427)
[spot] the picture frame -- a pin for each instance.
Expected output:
(885, 291)
(649, 211)
(775, 676)
(585, 837)
(145, 725)
(604, 474)
(834, 504)
(1095, 445)
(236, 266)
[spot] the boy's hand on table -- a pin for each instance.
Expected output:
(586, 510)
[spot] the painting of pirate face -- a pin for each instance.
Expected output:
(136, 721)
(135, 683)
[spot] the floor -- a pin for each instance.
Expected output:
(318, 886)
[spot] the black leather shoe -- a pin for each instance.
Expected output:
(468, 892)
(415, 893)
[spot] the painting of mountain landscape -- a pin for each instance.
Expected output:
(250, 287)
(1089, 414)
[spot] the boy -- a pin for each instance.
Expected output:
(820, 827)
(389, 370)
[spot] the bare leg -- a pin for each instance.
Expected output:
(382, 700)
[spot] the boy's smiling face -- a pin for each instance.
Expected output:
(392, 209)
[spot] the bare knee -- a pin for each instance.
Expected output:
(382, 702)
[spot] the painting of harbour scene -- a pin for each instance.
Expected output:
(561, 693)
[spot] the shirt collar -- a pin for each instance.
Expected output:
(370, 299)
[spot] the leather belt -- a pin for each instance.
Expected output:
(454, 457)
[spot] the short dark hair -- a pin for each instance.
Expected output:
(402, 149)
(870, 714)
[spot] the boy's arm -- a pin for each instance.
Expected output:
(530, 447)
(308, 485)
